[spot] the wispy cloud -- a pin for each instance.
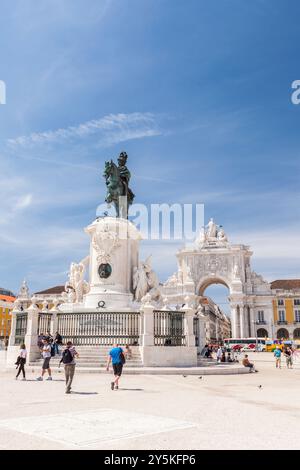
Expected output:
(23, 202)
(109, 130)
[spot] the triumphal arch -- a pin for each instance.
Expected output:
(212, 259)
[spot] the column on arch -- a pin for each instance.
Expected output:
(243, 329)
(235, 321)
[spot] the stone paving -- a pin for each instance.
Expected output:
(154, 412)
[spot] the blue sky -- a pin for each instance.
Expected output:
(197, 92)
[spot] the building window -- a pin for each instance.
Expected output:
(297, 315)
(281, 315)
(280, 301)
(296, 301)
(260, 315)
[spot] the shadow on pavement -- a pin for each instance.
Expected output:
(131, 389)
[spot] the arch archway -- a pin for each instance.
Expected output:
(209, 281)
(296, 333)
(262, 333)
(215, 302)
(283, 333)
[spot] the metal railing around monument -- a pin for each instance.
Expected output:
(103, 328)
(21, 328)
(44, 323)
(196, 330)
(169, 328)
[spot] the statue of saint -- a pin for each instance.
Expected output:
(212, 229)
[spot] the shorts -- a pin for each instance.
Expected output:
(46, 363)
(289, 360)
(118, 369)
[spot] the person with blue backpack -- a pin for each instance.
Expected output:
(277, 355)
(117, 357)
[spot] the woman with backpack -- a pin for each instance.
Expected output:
(21, 361)
(68, 360)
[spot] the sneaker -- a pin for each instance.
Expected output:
(68, 391)
(49, 378)
(112, 385)
(17, 378)
(116, 387)
(39, 378)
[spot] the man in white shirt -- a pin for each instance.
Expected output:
(46, 354)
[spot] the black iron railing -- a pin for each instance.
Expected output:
(169, 328)
(21, 328)
(103, 328)
(44, 323)
(196, 330)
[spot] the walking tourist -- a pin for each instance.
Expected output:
(41, 336)
(277, 355)
(57, 342)
(68, 360)
(117, 357)
(21, 361)
(247, 363)
(219, 354)
(46, 354)
(289, 357)
(128, 352)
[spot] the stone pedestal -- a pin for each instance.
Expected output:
(31, 337)
(114, 252)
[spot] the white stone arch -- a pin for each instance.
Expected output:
(211, 259)
(207, 281)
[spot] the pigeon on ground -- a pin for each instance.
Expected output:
(184, 376)
(260, 386)
(200, 377)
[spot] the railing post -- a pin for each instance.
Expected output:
(148, 324)
(54, 319)
(31, 337)
(189, 323)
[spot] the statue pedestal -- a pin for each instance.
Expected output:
(114, 250)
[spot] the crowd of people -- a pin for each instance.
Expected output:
(50, 346)
(224, 355)
(218, 352)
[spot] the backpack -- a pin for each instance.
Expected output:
(67, 356)
(122, 358)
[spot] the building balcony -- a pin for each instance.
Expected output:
(296, 322)
(282, 322)
(260, 322)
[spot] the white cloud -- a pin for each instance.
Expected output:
(23, 202)
(109, 130)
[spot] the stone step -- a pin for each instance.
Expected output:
(81, 365)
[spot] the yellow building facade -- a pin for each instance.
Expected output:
(286, 309)
(7, 299)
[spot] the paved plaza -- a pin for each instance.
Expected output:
(154, 412)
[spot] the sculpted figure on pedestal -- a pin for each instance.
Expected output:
(211, 229)
(77, 286)
(145, 281)
(117, 180)
(140, 282)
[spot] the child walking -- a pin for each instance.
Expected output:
(21, 361)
